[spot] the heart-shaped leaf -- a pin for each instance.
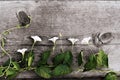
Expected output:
(91, 64)
(11, 73)
(1, 71)
(43, 71)
(16, 65)
(61, 70)
(102, 59)
(111, 76)
(63, 58)
(68, 58)
(44, 57)
(58, 59)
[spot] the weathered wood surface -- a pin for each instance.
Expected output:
(77, 19)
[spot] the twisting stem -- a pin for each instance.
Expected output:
(9, 58)
(2, 48)
(8, 30)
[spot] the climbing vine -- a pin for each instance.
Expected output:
(61, 62)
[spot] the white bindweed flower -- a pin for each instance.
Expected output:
(54, 39)
(86, 40)
(22, 51)
(36, 38)
(73, 40)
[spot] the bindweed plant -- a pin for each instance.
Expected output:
(7, 70)
(62, 61)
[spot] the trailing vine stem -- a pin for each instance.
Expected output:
(2, 48)
(2, 35)
(8, 30)
(8, 56)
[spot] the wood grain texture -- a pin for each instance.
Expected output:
(76, 19)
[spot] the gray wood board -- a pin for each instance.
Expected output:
(77, 19)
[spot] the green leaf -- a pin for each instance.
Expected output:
(68, 58)
(91, 64)
(63, 58)
(111, 76)
(30, 58)
(80, 58)
(16, 65)
(3, 42)
(102, 59)
(1, 71)
(58, 59)
(11, 73)
(43, 71)
(61, 70)
(44, 57)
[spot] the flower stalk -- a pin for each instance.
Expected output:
(60, 36)
(33, 46)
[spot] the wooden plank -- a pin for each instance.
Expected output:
(77, 19)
